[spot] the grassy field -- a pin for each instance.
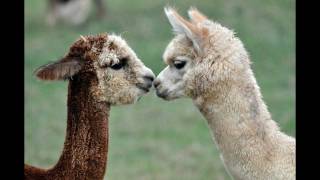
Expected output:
(155, 139)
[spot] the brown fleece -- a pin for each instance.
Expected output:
(85, 149)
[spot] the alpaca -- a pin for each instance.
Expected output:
(74, 12)
(102, 71)
(208, 64)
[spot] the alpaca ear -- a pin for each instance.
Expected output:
(59, 70)
(196, 16)
(182, 26)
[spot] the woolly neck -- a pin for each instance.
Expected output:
(238, 112)
(85, 149)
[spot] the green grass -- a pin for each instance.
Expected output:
(155, 139)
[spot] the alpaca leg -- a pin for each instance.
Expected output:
(101, 9)
(51, 18)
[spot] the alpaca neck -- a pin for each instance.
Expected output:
(86, 144)
(236, 114)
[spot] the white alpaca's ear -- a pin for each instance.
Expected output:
(59, 70)
(196, 16)
(182, 26)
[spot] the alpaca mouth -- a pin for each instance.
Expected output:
(163, 95)
(144, 87)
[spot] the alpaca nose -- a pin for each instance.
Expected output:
(149, 79)
(156, 83)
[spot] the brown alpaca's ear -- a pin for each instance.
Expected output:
(60, 70)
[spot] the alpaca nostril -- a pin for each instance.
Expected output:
(156, 83)
(150, 78)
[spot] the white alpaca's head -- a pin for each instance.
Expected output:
(202, 55)
(107, 65)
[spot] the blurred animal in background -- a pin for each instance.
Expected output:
(73, 12)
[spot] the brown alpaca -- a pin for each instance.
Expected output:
(102, 71)
(208, 63)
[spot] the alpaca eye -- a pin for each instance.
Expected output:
(179, 64)
(119, 65)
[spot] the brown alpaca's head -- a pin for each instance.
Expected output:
(202, 56)
(107, 65)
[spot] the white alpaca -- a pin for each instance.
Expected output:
(207, 63)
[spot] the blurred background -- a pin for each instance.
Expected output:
(156, 139)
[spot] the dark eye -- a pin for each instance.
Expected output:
(119, 65)
(179, 64)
